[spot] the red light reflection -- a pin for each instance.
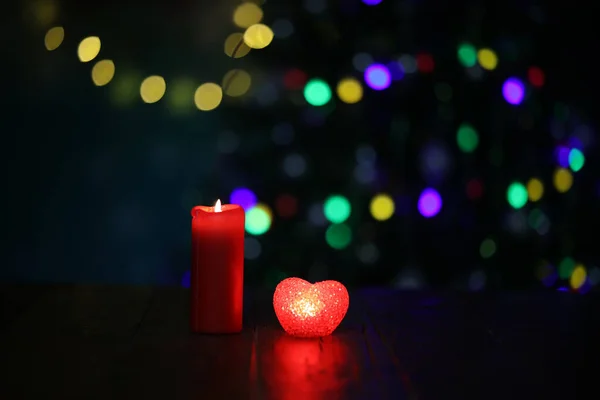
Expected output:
(315, 369)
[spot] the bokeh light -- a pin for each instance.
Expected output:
(566, 267)
(350, 91)
(487, 248)
(487, 59)
(88, 48)
(336, 209)
(236, 83)
(368, 253)
(513, 91)
(474, 189)
(258, 36)
(467, 55)
(547, 273)
(576, 160)
(180, 96)
(378, 77)
(54, 38)
(430, 203)
(294, 165)
(467, 138)
(247, 14)
(286, 205)
(258, 220)
(517, 195)
(282, 28)
(103, 72)
(244, 197)
(208, 96)
(153, 89)
(372, 2)
(535, 189)
(562, 156)
(382, 207)
(235, 46)
(563, 180)
(44, 12)
(578, 277)
(252, 248)
(361, 61)
(536, 76)
(425, 63)
(294, 79)
(317, 92)
(338, 236)
(124, 89)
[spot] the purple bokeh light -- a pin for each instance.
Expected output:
(244, 197)
(378, 77)
(562, 156)
(396, 70)
(372, 2)
(513, 91)
(430, 203)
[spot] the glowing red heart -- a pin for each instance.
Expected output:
(307, 310)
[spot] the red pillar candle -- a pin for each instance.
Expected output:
(217, 275)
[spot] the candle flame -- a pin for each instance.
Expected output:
(218, 206)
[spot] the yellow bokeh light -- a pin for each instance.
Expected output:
(235, 46)
(258, 36)
(487, 59)
(153, 89)
(247, 14)
(535, 189)
(578, 277)
(349, 90)
(45, 12)
(236, 83)
(89, 48)
(208, 96)
(382, 207)
(103, 72)
(563, 180)
(54, 38)
(180, 97)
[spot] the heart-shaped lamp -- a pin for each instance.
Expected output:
(310, 310)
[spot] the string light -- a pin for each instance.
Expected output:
(336, 209)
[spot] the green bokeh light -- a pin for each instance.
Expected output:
(337, 209)
(576, 159)
(467, 55)
(487, 248)
(467, 138)
(338, 236)
(317, 92)
(516, 195)
(258, 221)
(566, 267)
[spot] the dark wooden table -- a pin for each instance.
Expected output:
(98, 342)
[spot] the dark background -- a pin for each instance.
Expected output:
(98, 189)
